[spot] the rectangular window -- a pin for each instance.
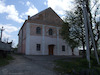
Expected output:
(63, 48)
(38, 47)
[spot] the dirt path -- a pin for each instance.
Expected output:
(23, 66)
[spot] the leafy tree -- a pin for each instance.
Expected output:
(92, 12)
(96, 27)
(67, 34)
(73, 28)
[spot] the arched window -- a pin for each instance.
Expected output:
(50, 31)
(38, 30)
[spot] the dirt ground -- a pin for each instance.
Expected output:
(24, 66)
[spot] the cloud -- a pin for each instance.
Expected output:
(60, 6)
(9, 28)
(5, 35)
(28, 3)
(32, 10)
(11, 11)
(45, 3)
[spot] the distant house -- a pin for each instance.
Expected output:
(5, 48)
(40, 35)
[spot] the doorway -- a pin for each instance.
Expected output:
(50, 48)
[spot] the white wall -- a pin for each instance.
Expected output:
(76, 51)
(67, 51)
(27, 51)
(38, 40)
(31, 42)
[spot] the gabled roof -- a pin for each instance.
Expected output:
(47, 17)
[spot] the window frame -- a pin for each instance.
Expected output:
(38, 47)
(50, 31)
(38, 30)
(63, 47)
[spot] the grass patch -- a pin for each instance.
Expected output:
(77, 66)
(5, 61)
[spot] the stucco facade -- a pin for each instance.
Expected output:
(46, 42)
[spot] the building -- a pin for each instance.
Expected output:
(40, 35)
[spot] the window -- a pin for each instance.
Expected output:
(38, 30)
(63, 48)
(38, 47)
(50, 31)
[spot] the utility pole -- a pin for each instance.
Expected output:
(2, 29)
(88, 28)
(86, 31)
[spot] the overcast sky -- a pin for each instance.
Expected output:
(14, 12)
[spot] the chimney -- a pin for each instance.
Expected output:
(28, 17)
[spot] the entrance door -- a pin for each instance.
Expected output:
(51, 47)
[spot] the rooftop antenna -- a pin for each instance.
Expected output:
(1, 29)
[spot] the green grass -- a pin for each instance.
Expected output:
(5, 61)
(75, 66)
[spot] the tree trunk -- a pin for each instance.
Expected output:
(84, 52)
(83, 43)
(72, 51)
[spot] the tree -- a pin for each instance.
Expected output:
(74, 21)
(92, 12)
(96, 27)
(67, 34)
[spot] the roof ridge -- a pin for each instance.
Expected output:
(41, 12)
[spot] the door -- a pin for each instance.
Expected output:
(51, 47)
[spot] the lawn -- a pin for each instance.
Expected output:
(77, 66)
(5, 61)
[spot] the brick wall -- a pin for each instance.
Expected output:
(47, 27)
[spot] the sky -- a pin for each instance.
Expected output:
(13, 13)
